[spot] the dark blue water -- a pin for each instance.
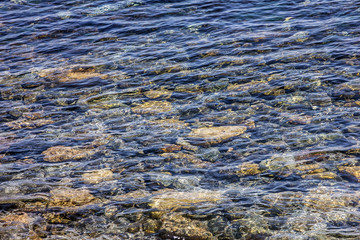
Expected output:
(179, 119)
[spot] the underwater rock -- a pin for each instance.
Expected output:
(322, 175)
(175, 226)
(134, 195)
(160, 93)
(69, 197)
(97, 176)
(15, 219)
(168, 148)
(251, 87)
(353, 171)
(152, 107)
(213, 135)
(183, 156)
(171, 201)
(325, 198)
(75, 73)
(63, 153)
(279, 161)
(300, 36)
(171, 123)
(248, 168)
(28, 123)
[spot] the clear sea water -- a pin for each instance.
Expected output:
(101, 103)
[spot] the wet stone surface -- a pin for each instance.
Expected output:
(182, 120)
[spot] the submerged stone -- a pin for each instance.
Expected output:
(69, 197)
(170, 201)
(152, 107)
(322, 175)
(160, 93)
(97, 176)
(175, 226)
(324, 198)
(353, 171)
(248, 168)
(300, 36)
(28, 123)
(212, 135)
(69, 75)
(15, 219)
(63, 153)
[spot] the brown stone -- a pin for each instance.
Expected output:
(213, 135)
(174, 200)
(70, 75)
(171, 123)
(62, 153)
(15, 219)
(68, 197)
(353, 171)
(325, 199)
(159, 93)
(321, 175)
(28, 123)
(168, 148)
(97, 176)
(248, 168)
(152, 107)
(175, 226)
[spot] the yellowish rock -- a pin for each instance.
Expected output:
(152, 107)
(175, 226)
(353, 171)
(69, 75)
(310, 168)
(62, 153)
(168, 148)
(69, 197)
(321, 175)
(138, 194)
(217, 134)
(324, 198)
(248, 168)
(174, 200)
(15, 219)
(97, 176)
(254, 86)
(159, 93)
(28, 123)
(171, 123)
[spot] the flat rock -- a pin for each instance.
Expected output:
(175, 226)
(174, 200)
(152, 107)
(72, 74)
(353, 171)
(97, 176)
(212, 135)
(248, 168)
(68, 197)
(158, 93)
(28, 123)
(62, 153)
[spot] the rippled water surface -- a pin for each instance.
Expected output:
(143, 119)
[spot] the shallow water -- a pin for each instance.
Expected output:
(179, 119)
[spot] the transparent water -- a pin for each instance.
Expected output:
(179, 119)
